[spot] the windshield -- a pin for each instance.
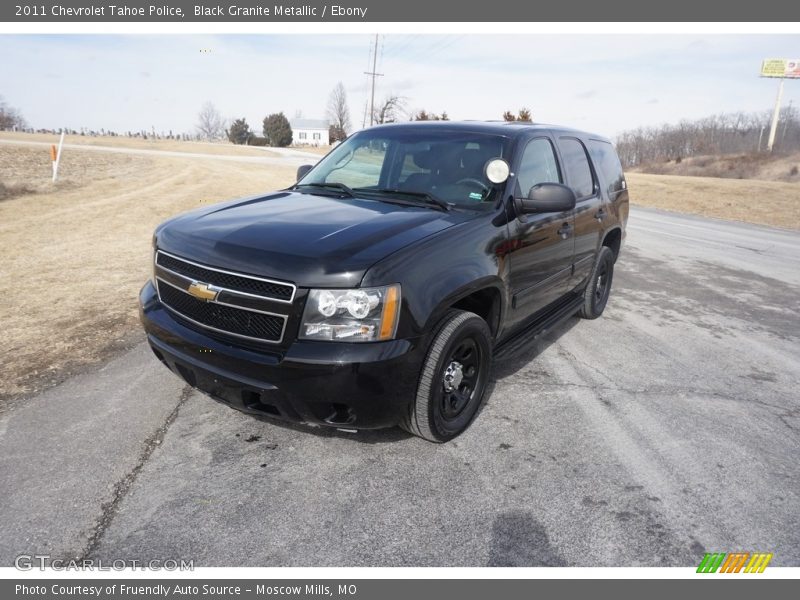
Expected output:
(446, 165)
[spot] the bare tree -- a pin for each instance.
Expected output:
(10, 117)
(338, 111)
(210, 124)
(390, 110)
(734, 133)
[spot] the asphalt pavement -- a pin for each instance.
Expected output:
(665, 429)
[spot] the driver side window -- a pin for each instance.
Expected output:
(538, 165)
(362, 169)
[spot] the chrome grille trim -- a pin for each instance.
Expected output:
(285, 318)
(232, 273)
(188, 280)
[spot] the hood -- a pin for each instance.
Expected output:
(311, 240)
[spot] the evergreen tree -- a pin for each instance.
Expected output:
(239, 132)
(277, 130)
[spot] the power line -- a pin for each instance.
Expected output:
(434, 46)
(400, 45)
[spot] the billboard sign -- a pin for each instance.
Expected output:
(781, 67)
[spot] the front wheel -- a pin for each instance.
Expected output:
(598, 288)
(453, 378)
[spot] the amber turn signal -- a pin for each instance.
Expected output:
(391, 313)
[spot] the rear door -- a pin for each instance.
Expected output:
(612, 180)
(541, 245)
(590, 208)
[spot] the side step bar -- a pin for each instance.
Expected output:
(538, 328)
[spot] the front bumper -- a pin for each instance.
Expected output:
(351, 386)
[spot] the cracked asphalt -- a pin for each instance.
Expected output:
(667, 428)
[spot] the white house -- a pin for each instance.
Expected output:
(309, 132)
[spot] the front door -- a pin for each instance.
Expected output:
(541, 245)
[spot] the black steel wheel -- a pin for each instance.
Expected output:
(598, 287)
(453, 379)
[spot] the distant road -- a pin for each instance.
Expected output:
(287, 155)
(766, 251)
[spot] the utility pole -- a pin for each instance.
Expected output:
(373, 74)
(775, 115)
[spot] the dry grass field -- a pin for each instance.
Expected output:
(773, 203)
(223, 148)
(75, 254)
(321, 150)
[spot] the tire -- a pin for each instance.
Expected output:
(461, 344)
(595, 296)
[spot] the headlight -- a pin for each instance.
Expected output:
(360, 315)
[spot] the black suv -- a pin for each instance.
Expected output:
(375, 290)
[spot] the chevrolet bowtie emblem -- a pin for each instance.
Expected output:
(202, 291)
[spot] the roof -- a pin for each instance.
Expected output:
(504, 128)
(308, 124)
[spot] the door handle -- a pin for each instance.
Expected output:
(565, 230)
(600, 214)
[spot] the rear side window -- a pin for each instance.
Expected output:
(607, 161)
(538, 165)
(576, 164)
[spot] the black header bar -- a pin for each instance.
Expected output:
(441, 11)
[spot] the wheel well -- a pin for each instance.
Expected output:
(612, 240)
(486, 304)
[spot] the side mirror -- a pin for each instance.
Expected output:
(302, 170)
(546, 198)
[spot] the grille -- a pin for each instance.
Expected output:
(231, 281)
(224, 318)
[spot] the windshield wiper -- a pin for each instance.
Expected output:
(333, 185)
(427, 198)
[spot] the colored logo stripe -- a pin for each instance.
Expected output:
(711, 563)
(758, 563)
(734, 562)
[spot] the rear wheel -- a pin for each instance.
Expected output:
(595, 297)
(453, 378)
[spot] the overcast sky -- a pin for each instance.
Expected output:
(603, 83)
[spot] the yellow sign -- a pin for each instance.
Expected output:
(788, 68)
